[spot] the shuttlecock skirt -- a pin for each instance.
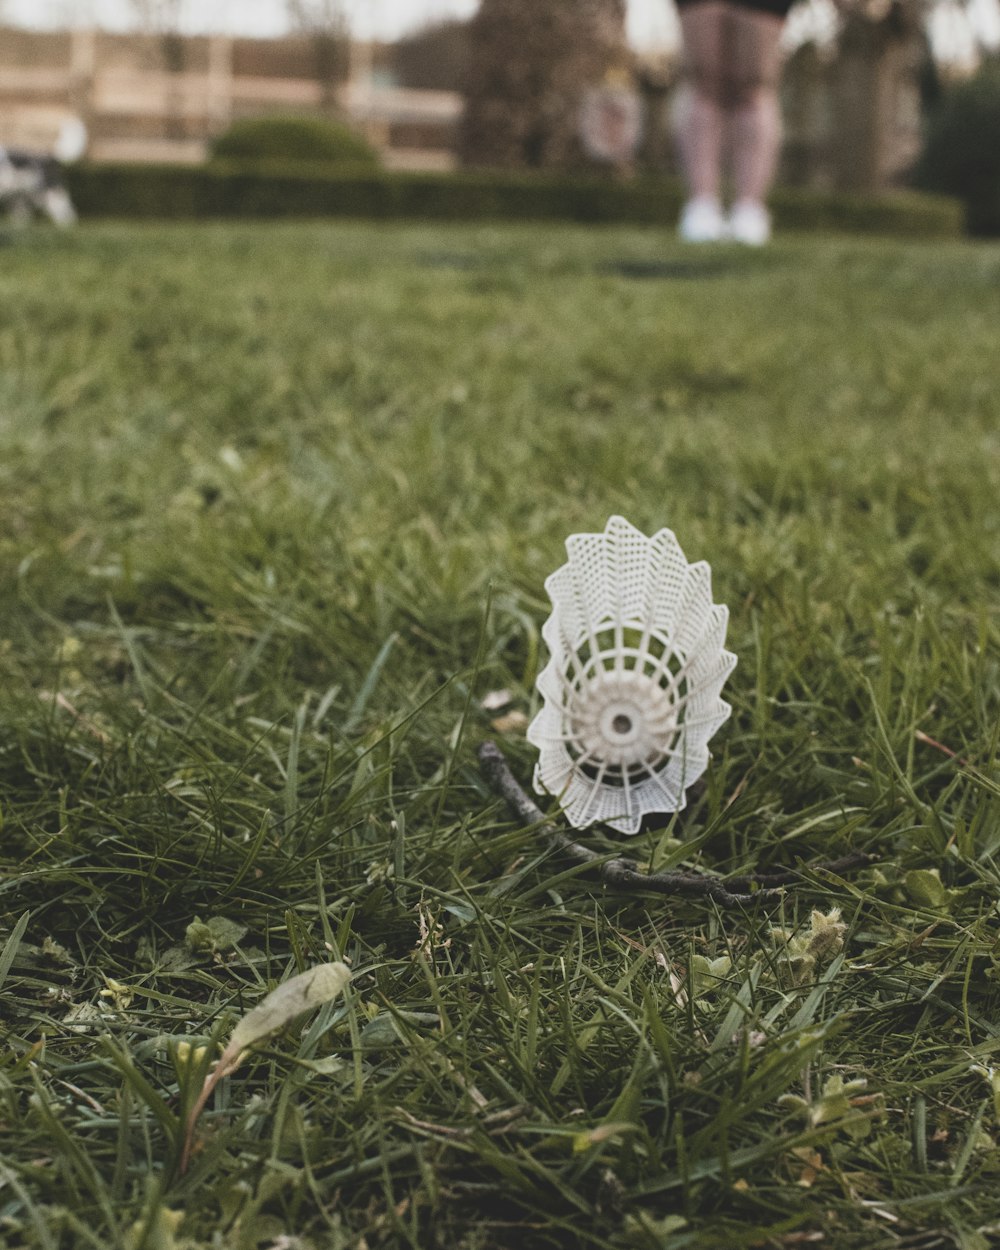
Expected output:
(631, 692)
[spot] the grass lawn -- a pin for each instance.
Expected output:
(276, 507)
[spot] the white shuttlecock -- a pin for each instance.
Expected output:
(632, 689)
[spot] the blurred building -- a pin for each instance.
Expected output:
(162, 97)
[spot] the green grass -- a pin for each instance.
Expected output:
(276, 506)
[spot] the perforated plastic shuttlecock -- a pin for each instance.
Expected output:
(632, 687)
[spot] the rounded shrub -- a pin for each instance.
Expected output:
(293, 140)
(961, 154)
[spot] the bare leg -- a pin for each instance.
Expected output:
(700, 133)
(754, 122)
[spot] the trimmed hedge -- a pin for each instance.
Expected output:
(219, 190)
(286, 138)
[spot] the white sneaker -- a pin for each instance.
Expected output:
(750, 223)
(702, 220)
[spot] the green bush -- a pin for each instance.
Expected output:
(305, 140)
(904, 213)
(224, 189)
(961, 155)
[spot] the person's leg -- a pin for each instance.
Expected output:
(754, 118)
(701, 126)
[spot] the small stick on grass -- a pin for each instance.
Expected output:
(623, 874)
(940, 746)
(789, 876)
(620, 873)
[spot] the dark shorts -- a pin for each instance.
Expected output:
(777, 8)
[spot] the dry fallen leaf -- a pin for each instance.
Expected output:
(811, 1165)
(303, 993)
(512, 723)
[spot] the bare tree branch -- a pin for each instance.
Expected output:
(620, 873)
(325, 23)
(317, 17)
(158, 17)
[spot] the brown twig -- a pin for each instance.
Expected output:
(619, 872)
(624, 875)
(789, 876)
(227, 1064)
(939, 746)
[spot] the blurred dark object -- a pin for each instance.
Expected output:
(656, 77)
(961, 155)
(852, 108)
(435, 58)
(531, 62)
(31, 185)
(293, 140)
(876, 91)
